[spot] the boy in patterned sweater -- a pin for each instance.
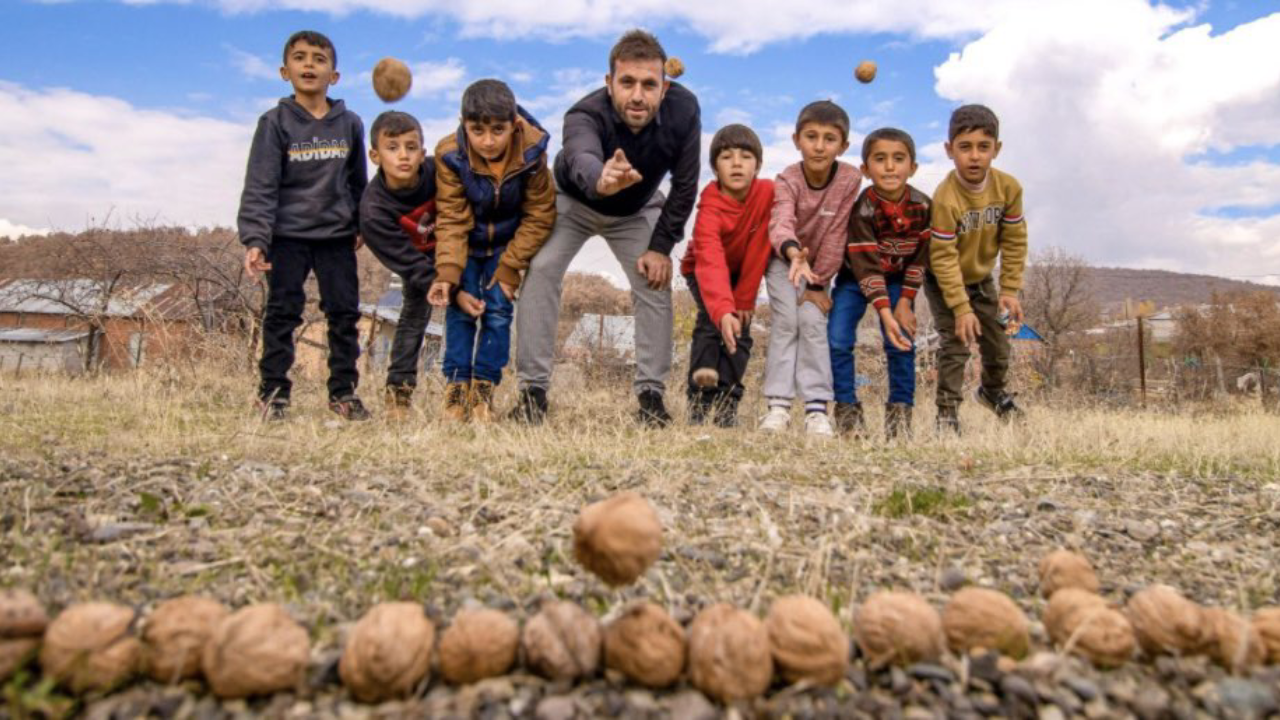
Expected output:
(888, 252)
(976, 219)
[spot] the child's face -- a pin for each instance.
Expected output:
(735, 169)
(972, 153)
(489, 139)
(309, 69)
(399, 157)
(819, 146)
(889, 165)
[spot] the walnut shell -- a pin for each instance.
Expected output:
(981, 618)
(388, 652)
(807, 641)
(674, 67)
(617, 538)
(21, 615)
(479, 644)
(1236, 645)
(1065, 569)
(1267, 622)
(729, 656)
(562, 642)
(16, 653)
(175, 634)
(91, 647)
(1084, 622)
(256, 650)
(391, 79)
(898, 628)
(866, 71)
(1166, 622)
(646, 644)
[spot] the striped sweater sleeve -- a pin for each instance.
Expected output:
(1013, 242)
(864, 253)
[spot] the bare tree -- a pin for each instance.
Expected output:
(1057, 300)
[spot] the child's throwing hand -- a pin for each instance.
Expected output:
(906, 317)
(800, 272)
(892, 331)
(968, 329)
(1011, 307)
(819, 298)
(730, 328)
(255, 262)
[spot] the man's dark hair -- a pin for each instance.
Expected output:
(739, 137)
(486, 101)
(393, 123)
(892, 134)
(311, 37)
(824, 112)
(968, 118)
(637, 45)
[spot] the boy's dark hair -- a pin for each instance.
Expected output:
(968, 118)
(891, 134)
(486, 101)
(637, 45)
(739, 137)
(393, 123)
(311, 37)
(824, 112)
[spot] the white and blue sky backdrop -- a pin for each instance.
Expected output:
(1146, 135)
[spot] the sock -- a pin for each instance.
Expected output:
(815, 406)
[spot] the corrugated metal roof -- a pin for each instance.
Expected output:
(35, 335)
(65, 297)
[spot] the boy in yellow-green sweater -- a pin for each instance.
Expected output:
(976, 219)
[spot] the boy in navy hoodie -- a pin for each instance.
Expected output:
(299, 214)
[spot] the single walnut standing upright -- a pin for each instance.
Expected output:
(900, 628)
(175, 634)
(256, 650)
(479, 644)
(1165, 622)
(91, 647)
(562, 642)
(729, 656)
(807, 641)
(388, 652)
(981, 618)
(646, 644)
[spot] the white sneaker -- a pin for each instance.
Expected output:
(776, 420)
(818, 425)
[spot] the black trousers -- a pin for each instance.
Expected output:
(292, 261)
(406, 346)
(707, 350)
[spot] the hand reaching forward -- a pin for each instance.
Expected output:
(618, 175)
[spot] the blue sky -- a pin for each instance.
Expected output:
(1120, 130)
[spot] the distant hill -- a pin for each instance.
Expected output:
(1111, 286)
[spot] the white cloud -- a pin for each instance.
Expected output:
(252, 66)
(13, 230)
(1103, 123)
(101, 157)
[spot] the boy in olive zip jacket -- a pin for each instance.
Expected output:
(496, 204)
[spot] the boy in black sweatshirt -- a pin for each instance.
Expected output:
(298, 214)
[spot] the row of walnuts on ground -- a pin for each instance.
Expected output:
(728, 653)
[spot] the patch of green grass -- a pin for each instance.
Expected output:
(905, 501)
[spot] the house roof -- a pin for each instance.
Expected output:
(77, 296)
(1026, 332)
(387, 309)
(36, 335)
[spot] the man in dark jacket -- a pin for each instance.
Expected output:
(619, 143)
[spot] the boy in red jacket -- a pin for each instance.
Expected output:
(723, 267)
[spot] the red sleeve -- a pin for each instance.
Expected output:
(709, 265)
(759, 251)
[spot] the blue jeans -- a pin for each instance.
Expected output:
(463, 360)
(848, 305)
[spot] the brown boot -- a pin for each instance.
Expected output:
(897, 421)
(398, 399)
(480, 402)
(455, 401)
(850, 421)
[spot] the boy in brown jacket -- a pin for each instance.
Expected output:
(496, 204)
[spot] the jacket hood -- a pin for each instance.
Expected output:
(336, 109)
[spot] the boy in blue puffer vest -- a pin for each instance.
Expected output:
(496, 204)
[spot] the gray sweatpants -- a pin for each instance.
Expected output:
(538, 312)
(798, 361)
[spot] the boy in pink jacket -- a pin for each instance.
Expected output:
(808, 230)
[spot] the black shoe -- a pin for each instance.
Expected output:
(273, 410)
(531, 406)
(850, 420)
(948, 419)
(701, 403)
(897, 421)
(349, 407)
(1000, 402)
(652, 412)
(727, 412)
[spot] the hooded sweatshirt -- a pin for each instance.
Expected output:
(305, 176)
(817, 219)
(399, 227)
(730, 240)
(485, 210)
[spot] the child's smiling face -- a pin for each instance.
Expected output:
(309, 68)
(889, 165)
